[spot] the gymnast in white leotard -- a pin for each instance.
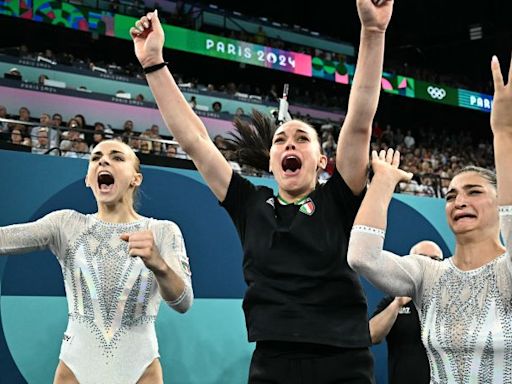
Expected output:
(117, 266)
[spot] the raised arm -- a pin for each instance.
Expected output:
(185, 126)
(354, 140)
(501, 124)
(395, 275)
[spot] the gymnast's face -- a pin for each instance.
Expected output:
(113, 173)
(295, 158)
(471, 204)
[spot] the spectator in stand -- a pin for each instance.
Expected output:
(217, 106)
(192, 102)
(172, 150)
(70, 136)
(97, 137)
(127, 131)
(409, 140)
(41, 79)
(57, 120)
(42, 143)
(329, 145)
(17, 136)
(45, 121)
(388, 136)
(3, 115)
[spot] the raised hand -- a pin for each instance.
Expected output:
(375, 14)
(142, 244)
(148, 39)
(501, 114)
(385, 165)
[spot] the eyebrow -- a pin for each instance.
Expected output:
(112, 152)
(283, 133)
(466, 187)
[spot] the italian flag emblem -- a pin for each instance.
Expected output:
(308, 207)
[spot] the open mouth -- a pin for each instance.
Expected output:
(105, 181)
(464, 216)
(291, 164)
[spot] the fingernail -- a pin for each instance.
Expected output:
(146, 24)
(494, 59)
(156, 12)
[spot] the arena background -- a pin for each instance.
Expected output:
(209, 343)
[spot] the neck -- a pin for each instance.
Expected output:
(472, 253)
(291, 197)
(117, 213)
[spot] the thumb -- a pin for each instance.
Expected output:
(125, 236)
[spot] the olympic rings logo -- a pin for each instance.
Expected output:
(436, 93)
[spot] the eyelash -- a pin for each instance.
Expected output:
(117, 158)
(451, 197)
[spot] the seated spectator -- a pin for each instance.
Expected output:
(3, 115)
(13, 74)
(172, 150)
(217, 106)
(17, 136)
(97, 137)
(42, 143)
(41, 79)
(57, 120)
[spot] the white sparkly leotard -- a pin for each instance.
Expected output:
(466, 316)
(113, 299)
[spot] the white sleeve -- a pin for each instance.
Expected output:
(393, 274)
(41, 234)
(506, 231)
(172, 249)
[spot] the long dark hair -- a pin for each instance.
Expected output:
(252, 140)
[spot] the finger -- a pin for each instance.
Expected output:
(125, 237)
(382, 154)
(139, 25)
(396, 159)
(510, 71)
(389, 155)
(496, 73)
(375, 156)
(134, 32)
(145, 22)
(408, 176)
(139, 244)
(137, 253)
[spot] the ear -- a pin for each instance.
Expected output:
(137, 180)
(322, 163)
(86, 180)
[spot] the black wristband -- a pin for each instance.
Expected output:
(154, 68)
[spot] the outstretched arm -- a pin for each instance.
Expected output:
(28, 237)
(354, 140)
(395, 275)
(186, 127)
